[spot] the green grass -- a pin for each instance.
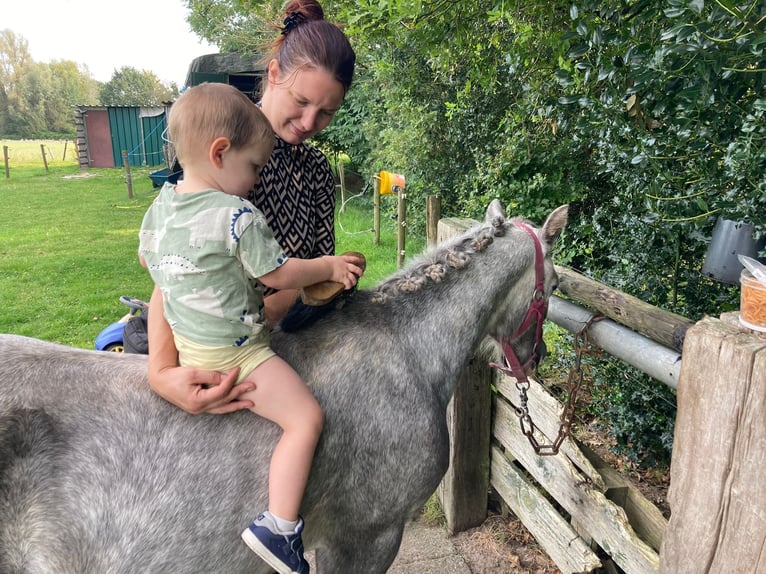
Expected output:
(68, 248)
(353, 232)
(68, 251)
(24, 153)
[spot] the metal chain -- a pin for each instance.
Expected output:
(574, 382)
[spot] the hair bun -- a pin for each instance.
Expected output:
(293, 20)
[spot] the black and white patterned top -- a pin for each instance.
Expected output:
(296, 194)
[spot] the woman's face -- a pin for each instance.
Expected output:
(301, 103)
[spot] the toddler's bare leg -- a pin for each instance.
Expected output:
(281, 396)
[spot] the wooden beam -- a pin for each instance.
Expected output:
(433, 214)
(659, 325)
(342, 184)
(401, 235)
(718, 469)
(555, 535)
(645, 518)
(376, 210)
(463, 489)
(606, 522)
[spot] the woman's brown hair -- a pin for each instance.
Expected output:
(307, 39)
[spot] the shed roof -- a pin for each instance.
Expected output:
(232, 64)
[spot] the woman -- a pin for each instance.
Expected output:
(309, 71)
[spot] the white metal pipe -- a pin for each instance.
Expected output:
(648, 356)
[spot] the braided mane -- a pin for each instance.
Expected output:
(434, 265)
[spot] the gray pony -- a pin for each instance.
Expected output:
(99, 475)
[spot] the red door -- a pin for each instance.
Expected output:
(99, 138)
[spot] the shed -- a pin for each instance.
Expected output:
(243, 71)
(104, 132)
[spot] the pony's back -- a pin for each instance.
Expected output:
(89, 453)
(98, 474)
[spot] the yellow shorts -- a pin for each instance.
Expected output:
(223, 359)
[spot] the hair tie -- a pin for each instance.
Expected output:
(293, 20)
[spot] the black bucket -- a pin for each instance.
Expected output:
(730, 238)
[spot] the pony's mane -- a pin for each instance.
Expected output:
(436, 264)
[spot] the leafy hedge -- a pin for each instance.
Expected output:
(646, 116)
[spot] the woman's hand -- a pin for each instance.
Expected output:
(197, 391)
(194, 390)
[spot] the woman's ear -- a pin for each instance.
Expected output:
(273, 71)
(218, 148)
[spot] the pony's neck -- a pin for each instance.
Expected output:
(448, 320)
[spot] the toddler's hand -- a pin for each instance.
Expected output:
(347, 268)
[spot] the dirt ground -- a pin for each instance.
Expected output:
(502, 545)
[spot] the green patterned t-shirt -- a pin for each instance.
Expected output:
(205, 251)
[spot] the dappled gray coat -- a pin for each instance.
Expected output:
(99, 475)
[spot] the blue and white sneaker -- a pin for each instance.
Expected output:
(283, 552)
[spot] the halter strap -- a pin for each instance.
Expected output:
(536, 311)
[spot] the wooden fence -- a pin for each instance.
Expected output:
(28, 153)
(581, 511)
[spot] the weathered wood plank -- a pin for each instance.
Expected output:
(645, 518)
(433, 214)
(463, 489)
(545, 411)
(718, 468)
(607, 523)
(554, 534)
(450, 226)
(342, 185)
(658, 324)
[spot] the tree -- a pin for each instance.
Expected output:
(131, 87)
(235, 25)
(28, 101)
(71, 86)
(14, 62)
(36, 99)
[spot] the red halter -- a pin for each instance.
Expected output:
(537, 309)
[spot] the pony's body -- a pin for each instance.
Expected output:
(100, 475)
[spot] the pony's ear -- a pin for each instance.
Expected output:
(555, 223)
(494, 210)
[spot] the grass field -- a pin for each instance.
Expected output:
(68, 247)
(27, 153)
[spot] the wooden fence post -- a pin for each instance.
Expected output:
(128, 177)
(718, 470)
(342, 184)
(401, 236)
(45, 159)
(463, 490)
(433, 214)
(659, 325)
(376, 210)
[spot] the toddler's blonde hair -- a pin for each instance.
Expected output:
(211, 110)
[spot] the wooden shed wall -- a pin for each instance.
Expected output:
(137, 130)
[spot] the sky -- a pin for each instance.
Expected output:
(150, 35)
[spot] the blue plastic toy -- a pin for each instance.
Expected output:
(111, 337)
